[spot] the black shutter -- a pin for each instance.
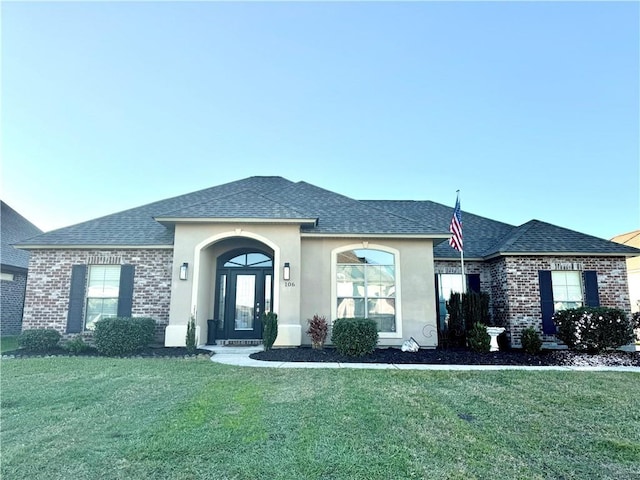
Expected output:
(125, 295)
(592, 299)
(76, 298)
(546, 302)
(473, 282)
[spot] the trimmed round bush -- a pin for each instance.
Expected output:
(531, 341)
(593, 329)
(39, 339)
(355, 337)
(478, 338)
(122, 336)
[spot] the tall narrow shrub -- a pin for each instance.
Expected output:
(475, 307)
(456, 326)
(191, 335)
(270, 329)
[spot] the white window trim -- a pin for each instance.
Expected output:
(334, 282)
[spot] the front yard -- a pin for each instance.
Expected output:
(191, 419)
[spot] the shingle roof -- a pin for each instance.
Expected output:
(478, 232)
(536, 236)
(244, 204)
(271, 198)
(14, 228)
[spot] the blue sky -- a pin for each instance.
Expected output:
(530, 109)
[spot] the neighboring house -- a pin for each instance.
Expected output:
(231, 252)
(13, 228)
(633, 267)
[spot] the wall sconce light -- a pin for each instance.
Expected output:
(183, 271)
(286, 272)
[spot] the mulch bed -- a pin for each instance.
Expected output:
(453, 357)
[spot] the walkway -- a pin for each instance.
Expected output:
(239, 356)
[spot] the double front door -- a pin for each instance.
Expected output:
(243, 295)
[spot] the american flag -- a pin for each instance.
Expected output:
(456, 227)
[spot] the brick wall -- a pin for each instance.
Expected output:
(520, 276)
(11, 303)
(49, 281)
(512, 283)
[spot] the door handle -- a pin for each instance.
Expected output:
(258, 310)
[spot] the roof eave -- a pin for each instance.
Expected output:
(285, 221)
(83, 246)
(556, 254)
(438, 238)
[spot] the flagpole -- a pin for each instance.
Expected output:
(464, 278)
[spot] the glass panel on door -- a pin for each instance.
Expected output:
(245, 302)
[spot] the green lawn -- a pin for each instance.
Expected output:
(106, 418)
(8, 343)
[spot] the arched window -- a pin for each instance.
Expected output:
(249, 260)
(366, 286)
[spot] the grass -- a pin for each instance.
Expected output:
(193, 419)
(8, 343)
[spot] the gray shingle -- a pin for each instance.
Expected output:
(279, 198)
(13, 229)
(244, 204)
(536, 236)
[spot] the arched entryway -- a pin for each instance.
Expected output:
(244, 291)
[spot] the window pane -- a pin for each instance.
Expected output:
(366, 256)
(267, 293)
(104, 281)
(245, 301)
(222, 297)
(350, 281)
(99, 308)
(567, 289)
(383, 311)
(351, 308)
(449, 282)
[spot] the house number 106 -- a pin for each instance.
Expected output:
(289, 284)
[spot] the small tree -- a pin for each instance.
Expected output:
(191, 335)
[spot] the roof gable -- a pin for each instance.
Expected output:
(14, 228)
(536, 236)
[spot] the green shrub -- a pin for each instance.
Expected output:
(635, 320)
(475, 306)
(455, 326)
(122, 336)
(190, 340)
(270, 329)
(39, 339)
(318, 329)
(77, 345)
(478, 338)
(531, 341)
(355, 337)
(593, 329)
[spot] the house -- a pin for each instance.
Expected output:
(231, 252)
(13, 269)
(633, 267)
